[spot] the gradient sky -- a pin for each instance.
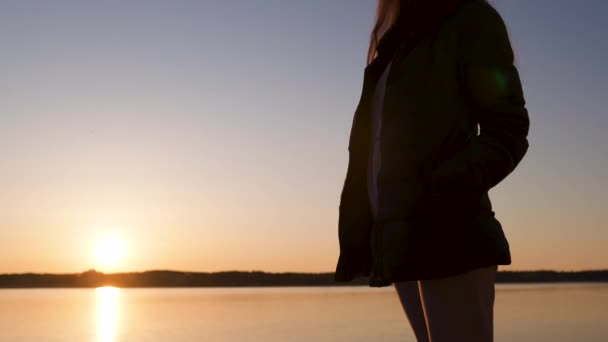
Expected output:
(212, 135)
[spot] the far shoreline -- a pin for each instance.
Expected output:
(232, 279)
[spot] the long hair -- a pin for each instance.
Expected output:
(387, 14)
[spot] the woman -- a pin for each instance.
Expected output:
(441, 120)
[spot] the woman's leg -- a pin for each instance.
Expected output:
(410, 301)
(460, 308)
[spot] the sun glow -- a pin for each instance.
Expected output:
(109, 252)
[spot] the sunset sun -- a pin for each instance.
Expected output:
(109, 252)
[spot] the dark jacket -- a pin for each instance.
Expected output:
(454, 126)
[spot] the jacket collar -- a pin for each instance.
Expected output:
(419, 18)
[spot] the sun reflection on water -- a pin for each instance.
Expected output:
(107, 313)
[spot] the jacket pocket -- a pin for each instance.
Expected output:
(447, 151)
(452, 148)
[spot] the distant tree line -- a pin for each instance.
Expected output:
(93, 278)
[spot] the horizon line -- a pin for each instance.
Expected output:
(92, 270)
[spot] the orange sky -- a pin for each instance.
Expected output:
(217, 139)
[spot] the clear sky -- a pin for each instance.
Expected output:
(212, 135)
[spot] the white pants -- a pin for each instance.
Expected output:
(459, 308)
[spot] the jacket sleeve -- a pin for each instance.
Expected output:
(492, 88)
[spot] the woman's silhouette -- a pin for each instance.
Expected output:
(441, 120)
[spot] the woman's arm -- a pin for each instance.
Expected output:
(493, 89)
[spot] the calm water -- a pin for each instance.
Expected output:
(540, 313)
